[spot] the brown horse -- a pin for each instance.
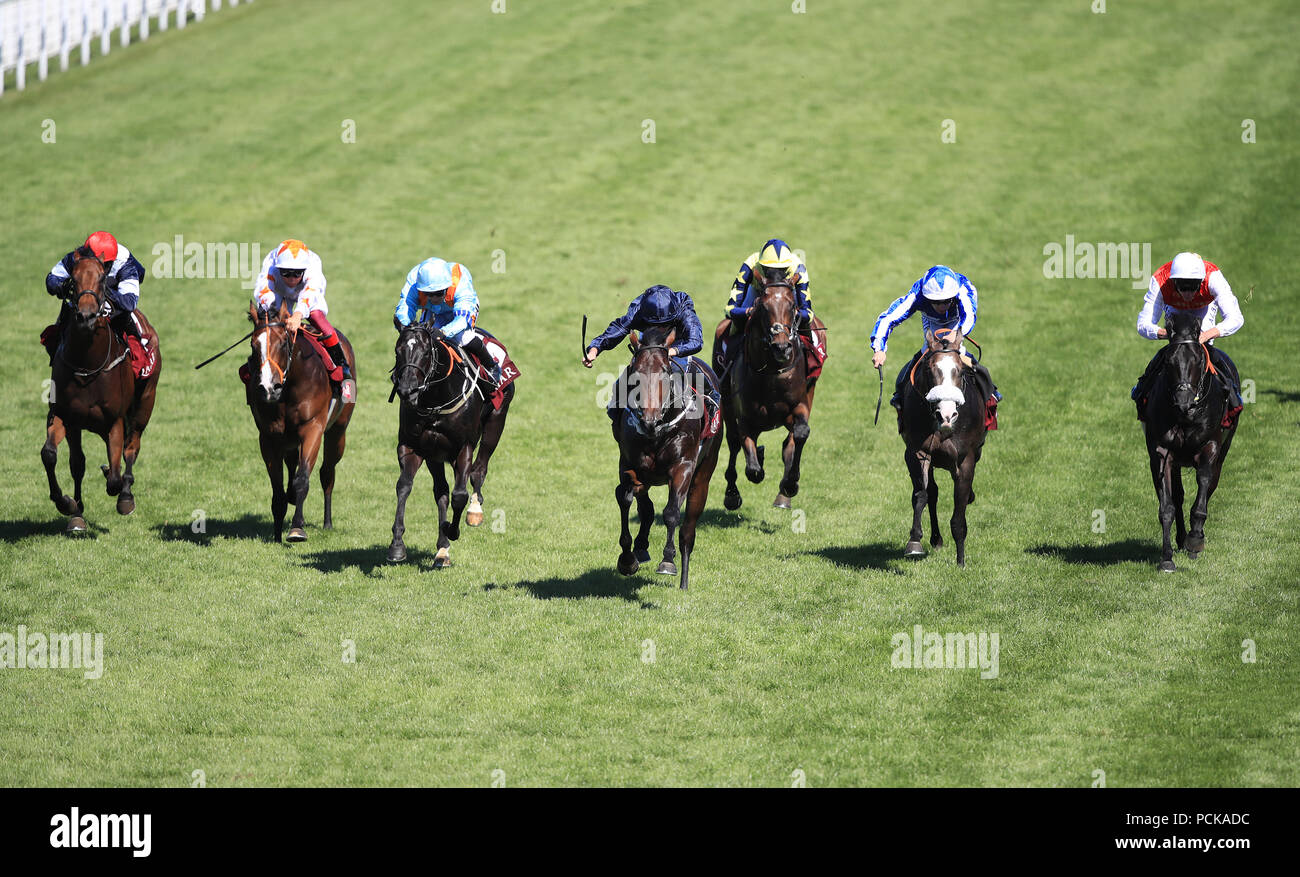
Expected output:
(944, 427)
(767, 387)
(445, 414)
(93, 387)
(296, 413)
(660, 435)
(1185, 426)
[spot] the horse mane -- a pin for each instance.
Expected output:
(1183, 324)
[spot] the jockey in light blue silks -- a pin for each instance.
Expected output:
(441, 294)
(945, 300)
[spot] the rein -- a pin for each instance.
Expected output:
(426, 382)
(798, 341)
(112, 336)
(1205, 372)
(672, 365)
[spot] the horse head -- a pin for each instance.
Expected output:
(776, 314)
(90, 288)
(940, 381)
(650, 391)
(1187, 365)
(423, 359)
(273, 346)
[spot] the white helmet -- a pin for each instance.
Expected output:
(940, 283)
(1187, 266)
(292, 255)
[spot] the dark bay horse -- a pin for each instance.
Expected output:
(1185, 427)
(767, 387)
(660, 436)
(445, 414)
(943, 427)
(296, 414)
(94, 388)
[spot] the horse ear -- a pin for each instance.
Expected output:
(633, 341)
(929, 341)
(252, 312)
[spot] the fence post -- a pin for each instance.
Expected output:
(20, 72)
(144, 21)
(180, 12)
(42, 63)
(85, 32)
(105, 32)
(63, 35)
(162, 16)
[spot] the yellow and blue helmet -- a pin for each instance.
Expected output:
(776, 253)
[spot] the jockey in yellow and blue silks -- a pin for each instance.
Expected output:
(775, 260)
(657, 306)
(441, 294)
(945, 300)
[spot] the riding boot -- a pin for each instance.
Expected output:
(347, 386)
(476, 346)
(1140, 388)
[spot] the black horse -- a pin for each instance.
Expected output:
(661, 432)
(1187, 424)
(446, 412)
(943, 426)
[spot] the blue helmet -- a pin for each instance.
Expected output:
(658, 305)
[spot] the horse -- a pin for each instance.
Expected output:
(661, 437)
(767, 387)
(1184, 424)
(296, 414)
(93, 387)
(444, 415)
(944, 426)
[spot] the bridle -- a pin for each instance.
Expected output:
(673, 399)
(293, 348)
(774, 329)
(98, 292)
(427, 380)
(1208, 370)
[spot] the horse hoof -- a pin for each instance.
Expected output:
(936, 542)
(67, 506)
(755, 476)
(125, 505)
(732, 500)
(76, 524)
(781, 502)
(297, 534)
(641, 555)
(667, 568)
(1192, 555)
(1167, 566)
(442, 559)
(789, 490)
(628, 565)
(1195, 545)
(474, 512)
(396, 553)
(914, 549)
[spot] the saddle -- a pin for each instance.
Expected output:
(509, 371)
(143, 359)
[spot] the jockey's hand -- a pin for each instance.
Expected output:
(878, 359)
(106, 309)
(294, 321)
(672, 352)
(590, 356)
(1209, 334)
(1161, 332)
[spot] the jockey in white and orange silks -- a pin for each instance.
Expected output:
(292, 274)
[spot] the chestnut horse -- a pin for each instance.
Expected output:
(445, 413)
(660, 439)
(767, 387)
(943, 427)
(1184, 427)
(296, 413)
(93, 387)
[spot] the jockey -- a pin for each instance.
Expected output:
(774, 261)
(123, 276)
(657, 306)
(445, 292)
(292, 274)
(945, 300)
(1189, 283)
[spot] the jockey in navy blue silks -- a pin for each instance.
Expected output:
(123, 275)
(657, 306)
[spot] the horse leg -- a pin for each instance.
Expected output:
(1180, 528)
(753, 460)
(54, 433)
(1160, 475)
(921, 476)
(139, 419)
(732, 499)
(309, 447)
(409, 462)
(627, 562)
(679, 483)
(1206, 471)
(113, 471)
(962, 476)
(442, 494)
(645, 516)
(334, 445)
(486, 447)
(792, 453)
(126, 499)
(460, 495)
(275, 471)
(695, 501)
(932, 501)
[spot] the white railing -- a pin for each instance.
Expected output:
(37, 31)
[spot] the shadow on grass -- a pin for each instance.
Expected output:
(602, 582)
(877, 555)
(720, 518)
(244, 527)
(1108, 554)
(55, 525)
(366, 560)
(1284, 395)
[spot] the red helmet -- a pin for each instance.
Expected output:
(103, 245)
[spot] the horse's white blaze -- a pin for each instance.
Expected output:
(948, 391)
(266, 362)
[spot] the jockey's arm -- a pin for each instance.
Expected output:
(1153, 308)
(464, 307)
(408, 303)
(739, 289)
(803, 293)
(1229, 307)
(741, 302)
(692, 340)
(124, 289)
(617, 329)
(58, 278)
(263, 295)
(900, 310)
(968, 304)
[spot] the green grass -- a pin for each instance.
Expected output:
(522, 132)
